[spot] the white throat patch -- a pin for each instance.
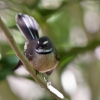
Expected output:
(43, 50)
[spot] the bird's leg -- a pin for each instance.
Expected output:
(37, 72)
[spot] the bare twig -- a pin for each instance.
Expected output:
(23, 58)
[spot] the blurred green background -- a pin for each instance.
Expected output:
(74, 28)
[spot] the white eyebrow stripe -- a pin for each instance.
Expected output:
(38, 42)
(45, 42)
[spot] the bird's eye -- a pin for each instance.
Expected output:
(46, 45)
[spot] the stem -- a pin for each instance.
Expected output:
(23, 58)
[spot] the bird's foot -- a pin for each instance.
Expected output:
(37, 72)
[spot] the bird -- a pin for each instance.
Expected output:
(40, 51)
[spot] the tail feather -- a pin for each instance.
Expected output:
(28, 26)
(18, 65)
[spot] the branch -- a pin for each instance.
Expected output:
(24, 59)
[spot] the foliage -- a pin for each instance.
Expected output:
(56, 23)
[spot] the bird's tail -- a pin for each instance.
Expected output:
(28, 26)
(18, 65)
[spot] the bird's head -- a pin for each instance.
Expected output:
(44, 45)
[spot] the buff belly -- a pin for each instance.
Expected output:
(44, 63)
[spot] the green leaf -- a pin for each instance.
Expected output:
(6, 65)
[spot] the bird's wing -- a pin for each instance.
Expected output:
(29, 51)
(56, 54)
